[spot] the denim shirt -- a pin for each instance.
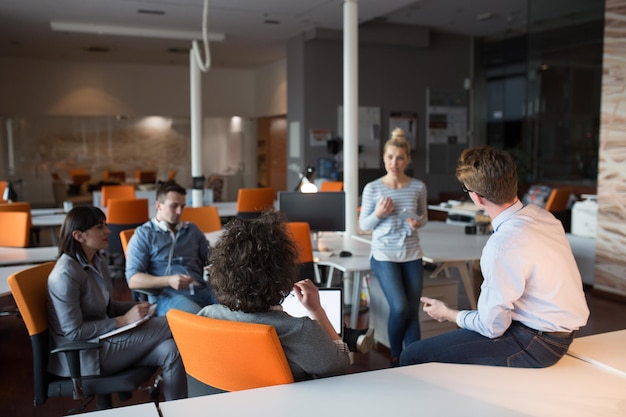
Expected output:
(159, 252)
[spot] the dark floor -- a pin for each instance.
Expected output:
(16, 360)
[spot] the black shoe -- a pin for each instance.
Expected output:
(358, 340)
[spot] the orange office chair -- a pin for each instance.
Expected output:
(79, 176)
(119, 176)
(253, 201)
(77, 171)
(125, 236)
(15, 226)
(30, 291)
(301, 233)
(22, 207)
(206, 218)
(116, 191)
(3, 186)
(228, 355)
(331, 186)
(124, 214)
(558, 199)
(172, 175)
(146, 177)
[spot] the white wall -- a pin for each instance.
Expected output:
(96, 89)
(271, 89)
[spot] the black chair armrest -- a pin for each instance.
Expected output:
(72, 354)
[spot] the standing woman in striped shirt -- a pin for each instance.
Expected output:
(394, 207)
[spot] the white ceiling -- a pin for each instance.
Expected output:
(255, 30)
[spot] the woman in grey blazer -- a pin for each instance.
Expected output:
(80, 308)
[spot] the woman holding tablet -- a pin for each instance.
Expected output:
(253, 268)
(394, 207)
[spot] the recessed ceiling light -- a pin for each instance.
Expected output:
(141, 32)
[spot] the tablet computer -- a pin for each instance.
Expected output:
(331, 300)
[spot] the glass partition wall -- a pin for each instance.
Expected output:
(542, 91)
(37, 150)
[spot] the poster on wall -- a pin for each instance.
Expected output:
(447, 125)
(369, 135)
(406, 121)
(319, 137)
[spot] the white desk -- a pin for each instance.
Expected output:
(226, 208)
(5, 272)
(21, 256)
(570, 388)
(584, 250)
(605, 350)
(46, 211)
(333, 243)
(51, 221)
(443, 244)
(139, 410)
(468, 208)
(449, 247)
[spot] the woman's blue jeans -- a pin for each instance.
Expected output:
(401, 283)
(518, 347)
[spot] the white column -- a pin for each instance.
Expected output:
(351, 113)
(196, 126)
(350, 128)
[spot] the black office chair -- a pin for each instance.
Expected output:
(30, 289)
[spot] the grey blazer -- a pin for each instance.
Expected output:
(80, 309)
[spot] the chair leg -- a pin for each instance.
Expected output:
(104, 402)
(155, 390)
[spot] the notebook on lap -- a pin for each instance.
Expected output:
(331, 300)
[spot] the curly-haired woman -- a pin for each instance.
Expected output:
(252, 271)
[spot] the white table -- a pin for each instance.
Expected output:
(21, 256)
(330, 245)
(449, 247)
(138, 410)
(226, 208)
(6, 272)
(51, 221)
(584, 250)
(605, 350)
(443, 244)
(570, 388)
(46, 211)
(468, 208)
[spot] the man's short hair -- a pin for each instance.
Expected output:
(167, 187)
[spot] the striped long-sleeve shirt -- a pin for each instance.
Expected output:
(392, 237)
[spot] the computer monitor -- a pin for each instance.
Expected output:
(325, 211)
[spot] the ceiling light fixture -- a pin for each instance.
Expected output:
(133, 31)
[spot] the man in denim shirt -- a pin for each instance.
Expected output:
(166, 257)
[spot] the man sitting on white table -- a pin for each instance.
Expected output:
(531, 300)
